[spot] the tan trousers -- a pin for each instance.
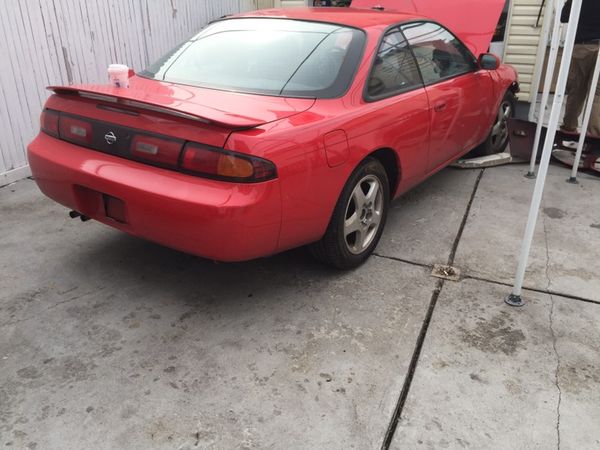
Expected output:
(578, 87)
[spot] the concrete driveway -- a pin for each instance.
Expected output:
(108, 341)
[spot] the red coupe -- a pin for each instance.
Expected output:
(276, 129)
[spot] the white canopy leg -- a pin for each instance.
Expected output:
(514, 299)
(541, 56)
(586, 121)
(554, 48)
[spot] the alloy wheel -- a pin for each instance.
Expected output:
(499, 133)
(363, 214)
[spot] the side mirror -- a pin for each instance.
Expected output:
(489, 61)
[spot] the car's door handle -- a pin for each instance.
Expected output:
(439, 106)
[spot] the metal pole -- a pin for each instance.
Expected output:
(586, 121)
(554, 47)
(541, 56)
(514, 299)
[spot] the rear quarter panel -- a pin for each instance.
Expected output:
(310, 188)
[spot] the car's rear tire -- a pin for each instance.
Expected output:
(358, 218)
(497, 140)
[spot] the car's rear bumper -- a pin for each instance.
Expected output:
(213, 219)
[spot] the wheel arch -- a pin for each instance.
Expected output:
(391, 163)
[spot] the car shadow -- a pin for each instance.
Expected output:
(130, 267)
(127, 267)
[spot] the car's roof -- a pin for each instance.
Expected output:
(353, 17)
(476, 34)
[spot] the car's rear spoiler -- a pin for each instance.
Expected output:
(128, 98)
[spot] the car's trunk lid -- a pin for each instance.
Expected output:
(220, 108)
(473, 21)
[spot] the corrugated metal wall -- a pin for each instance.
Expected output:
(45, 42)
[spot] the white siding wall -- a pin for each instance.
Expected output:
(292, 3)
(46, 42)
(522, 41)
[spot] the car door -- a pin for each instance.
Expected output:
(460, 95)
(398, 107)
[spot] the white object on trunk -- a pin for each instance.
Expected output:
(118, 74)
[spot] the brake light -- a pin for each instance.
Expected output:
(225, 165)
(75, 130)
(49, 122)
(170, 153)
(156, 150)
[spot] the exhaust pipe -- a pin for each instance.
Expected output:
(76, 214)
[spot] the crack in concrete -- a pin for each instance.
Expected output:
(557, 372)
(49, 308)
(547, 254)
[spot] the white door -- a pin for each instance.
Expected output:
(292, 3)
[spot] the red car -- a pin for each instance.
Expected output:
(276, 129)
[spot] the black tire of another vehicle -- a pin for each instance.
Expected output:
(363, 207)
(497, 140)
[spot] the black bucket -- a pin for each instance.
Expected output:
(521, 135)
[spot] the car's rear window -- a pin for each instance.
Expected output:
(266, 56)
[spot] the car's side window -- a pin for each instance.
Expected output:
(394, 69)
(439, 53)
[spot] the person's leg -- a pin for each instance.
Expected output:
(594, 127)
(577, 87)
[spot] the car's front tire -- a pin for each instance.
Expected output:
(358, 218)
(497, 140)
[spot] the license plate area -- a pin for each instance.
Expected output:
(114, 208)
(95, 204)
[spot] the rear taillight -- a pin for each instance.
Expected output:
(49, 122)
(156, 150)
(225, 165)
(192, 158)
(75, 130)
